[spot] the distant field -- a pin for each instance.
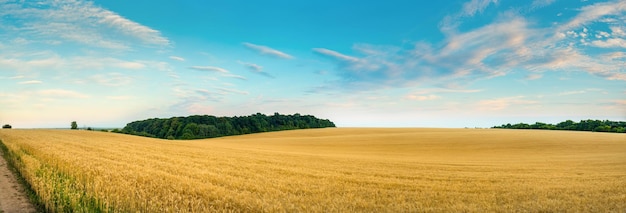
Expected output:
(327, 170)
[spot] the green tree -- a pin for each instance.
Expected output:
(207, 126)
(74, 125)
(6, 126)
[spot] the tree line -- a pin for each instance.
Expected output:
(207, 126)
(583, 125)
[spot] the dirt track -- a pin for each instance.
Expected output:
(12, 195)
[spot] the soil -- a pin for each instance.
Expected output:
(12, 194)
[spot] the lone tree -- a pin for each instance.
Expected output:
(6, 126)
(74, 125)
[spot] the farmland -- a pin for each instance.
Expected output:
(322, 170)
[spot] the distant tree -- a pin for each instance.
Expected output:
(207, 126)
(74, 125)
(583, 125)
(6, 126)
(89, 128)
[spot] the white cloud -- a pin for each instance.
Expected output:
(252, 67)
(504, 103)
(61, 93)
(30, 82)
(618, 31)
(358, 66)
(226, 91)
(541, 3)
(75, 33)
(534, 76)
(594, 12)
(471, 8)
(422, 97)
(228, 75)
(112, 79)
(130, 65)
(120, 98)
(443, 90)
(264, 50)
(209, 68)
(476, 6)
(17, 77)
(255, 68)
(82, 22)
(129, 27)
(602, 34)
(508, 44)
(176, 58)
(610, 43)
(335, 54)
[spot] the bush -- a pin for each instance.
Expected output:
(6, 126)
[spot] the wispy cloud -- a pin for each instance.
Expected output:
(177, 58)
(444, 90)
(471, 8)
(30, 82)
(126, 26)
(228, 75)
(541, 3)
(120, 98)
(533, 76)
(508, 44)
(432, 93)
(504, 103)
(264, 50)
(610, 43)
(209, 68)
(336, 55)
(476, 6)
(422, 97)
(61, 93)
(594, 12)
(112, 79)
(255, 68)
(226, 91)
(223, 72)
(80, 22)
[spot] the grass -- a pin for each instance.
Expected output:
(326, 170)
(13, 168)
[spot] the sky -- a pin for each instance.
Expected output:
(399, 63)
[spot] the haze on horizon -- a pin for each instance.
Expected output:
(378, 64)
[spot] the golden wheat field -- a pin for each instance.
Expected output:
(326, 170)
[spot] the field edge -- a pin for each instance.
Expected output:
(33, 198)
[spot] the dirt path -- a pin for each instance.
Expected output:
(12, 195)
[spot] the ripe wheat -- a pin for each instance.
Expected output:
(326, 170)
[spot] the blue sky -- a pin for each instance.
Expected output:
(470, 63)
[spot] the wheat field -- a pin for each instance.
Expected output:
(326, 170)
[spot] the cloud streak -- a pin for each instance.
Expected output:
(255, 68)
(62, 94)
(79, 22)
(209, 68)
(30, 82)
(177, 58)
(264, 50)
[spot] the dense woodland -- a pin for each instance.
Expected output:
(583, 125)
(207, 126)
